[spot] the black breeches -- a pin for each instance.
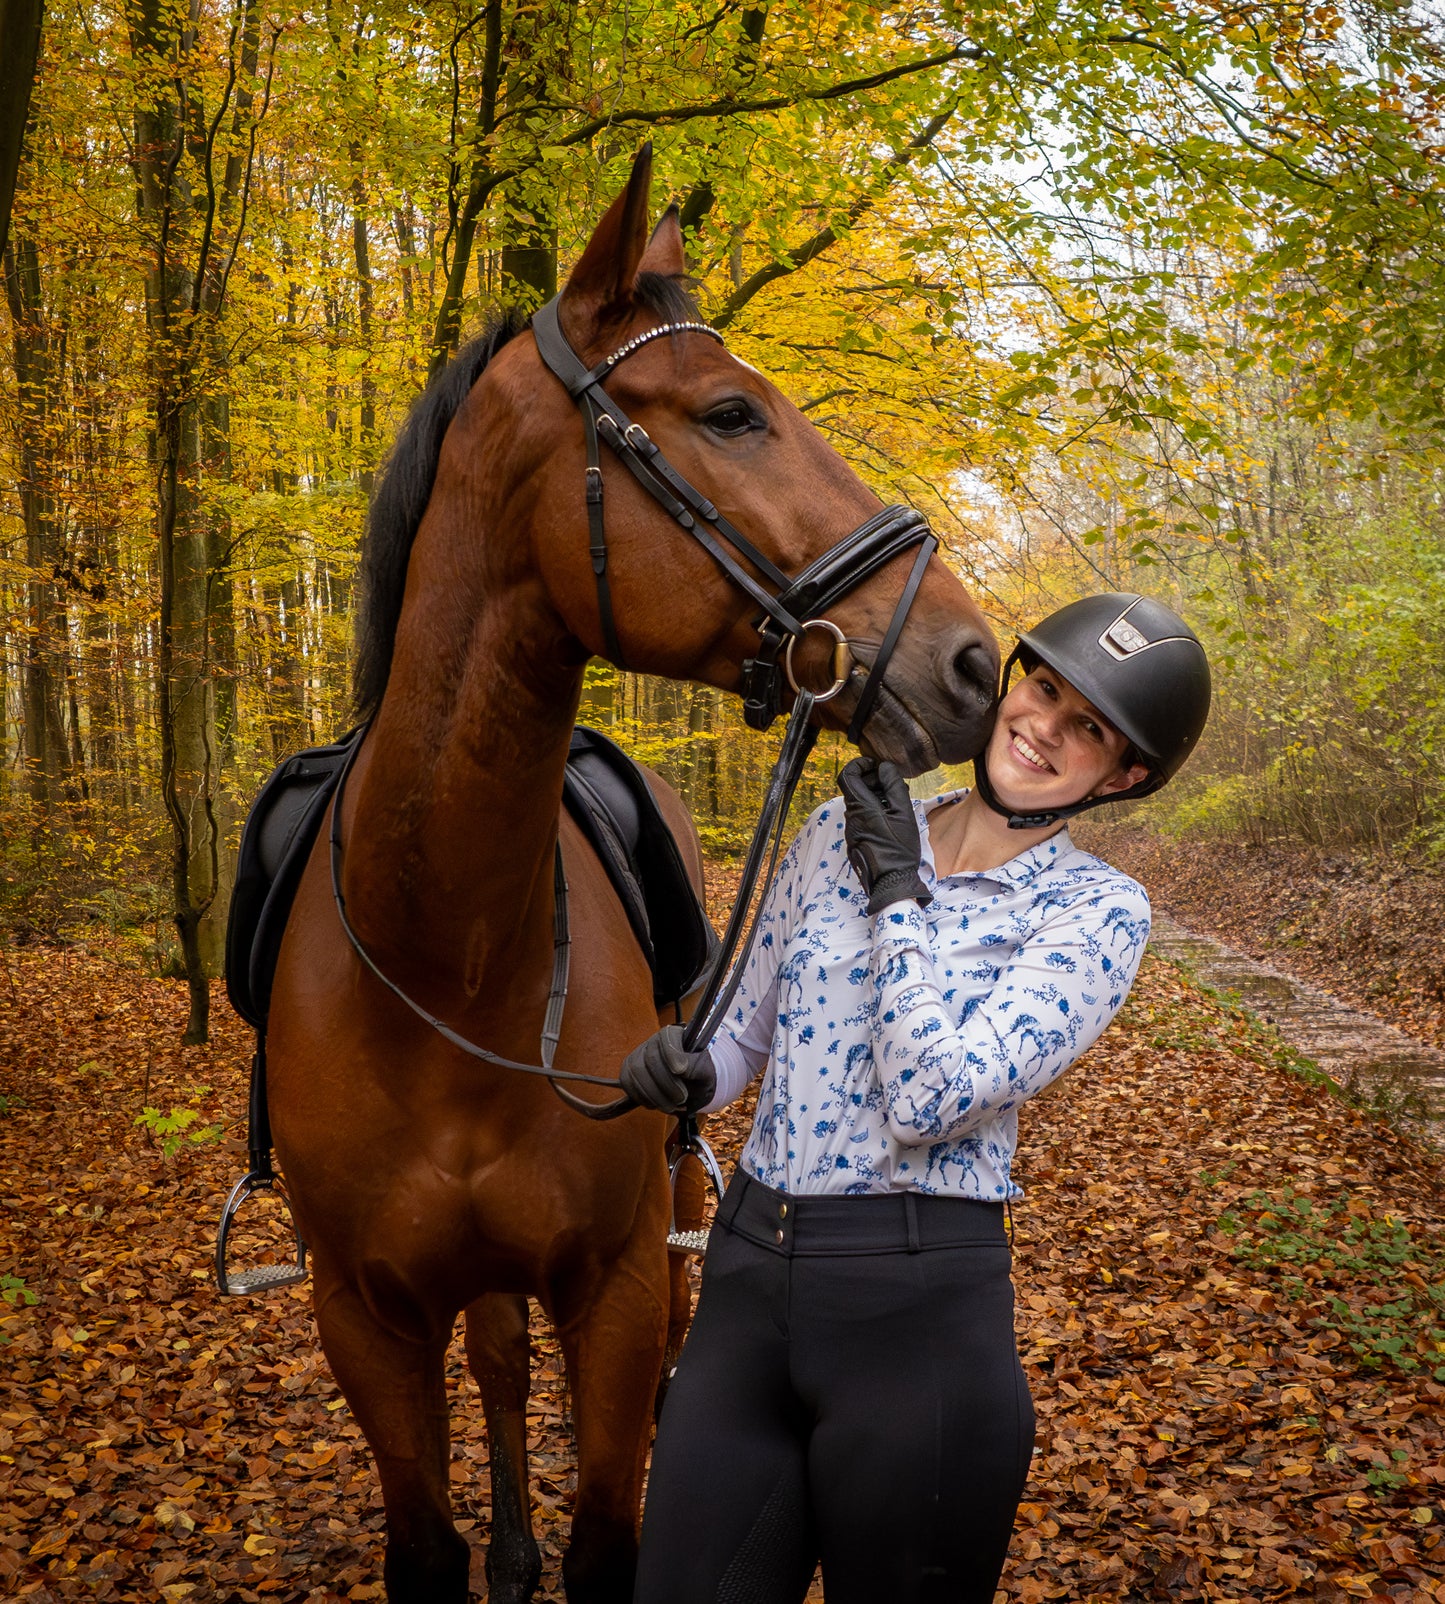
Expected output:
(850, 1395)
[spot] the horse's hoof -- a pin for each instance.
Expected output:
(519, 1584)
(441, 1575)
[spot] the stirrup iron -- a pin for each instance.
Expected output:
(261, 1176)
(691, 1140)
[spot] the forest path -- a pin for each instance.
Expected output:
(1365, 1054)
(1230, 1310)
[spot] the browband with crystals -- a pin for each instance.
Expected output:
(608, 363)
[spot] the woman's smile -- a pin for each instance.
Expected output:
(1030, 755)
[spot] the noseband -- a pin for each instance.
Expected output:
(790, 606)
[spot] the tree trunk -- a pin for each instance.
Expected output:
(446, 330)
(188, 224)
(19, 57)
(290, 722)
(361, 247)
(38, 355)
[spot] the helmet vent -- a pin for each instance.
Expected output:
(1121, 639)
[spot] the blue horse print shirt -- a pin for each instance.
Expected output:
(896, 1050)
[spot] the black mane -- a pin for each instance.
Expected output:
(409, 473)
(400, 500)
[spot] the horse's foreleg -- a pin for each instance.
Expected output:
(613, 1328)
(396, 1388)
(499, 1352)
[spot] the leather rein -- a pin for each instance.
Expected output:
(790, 608)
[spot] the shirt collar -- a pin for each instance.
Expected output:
(1020, 871)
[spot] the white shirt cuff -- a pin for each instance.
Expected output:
(733, 1071)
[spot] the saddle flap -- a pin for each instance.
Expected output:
(605, 791)
(276, 841)
(671, 925)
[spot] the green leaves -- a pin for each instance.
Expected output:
(1363, 1274)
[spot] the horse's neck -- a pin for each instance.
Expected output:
(450, 843)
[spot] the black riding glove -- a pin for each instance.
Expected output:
(881, 830)
(663, 1074)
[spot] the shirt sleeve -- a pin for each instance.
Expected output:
(1050, 1002)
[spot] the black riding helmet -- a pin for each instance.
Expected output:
(1144, 669)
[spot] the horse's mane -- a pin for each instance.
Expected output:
(400, 500)
(409, 473)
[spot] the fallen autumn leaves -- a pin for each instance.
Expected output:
(1200, 1436)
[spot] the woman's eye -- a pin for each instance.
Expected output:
(730, 418)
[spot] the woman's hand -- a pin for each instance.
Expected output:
(881, 830)
(663, 1074)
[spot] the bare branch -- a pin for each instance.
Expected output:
(740, 108)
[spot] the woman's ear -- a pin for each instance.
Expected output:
(1124, 780)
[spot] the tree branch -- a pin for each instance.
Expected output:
(742, 108)
(812, 248)
(701, 199)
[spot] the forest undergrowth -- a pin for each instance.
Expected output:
(1231, 1309)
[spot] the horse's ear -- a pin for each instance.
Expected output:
(600, 286)
(665, 255)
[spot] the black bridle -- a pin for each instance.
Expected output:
(790, 608)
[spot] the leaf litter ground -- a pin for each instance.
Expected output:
(1218, 1418)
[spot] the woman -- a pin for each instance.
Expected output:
(851, 1391)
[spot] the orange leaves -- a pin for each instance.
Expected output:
(1196, 1430)
(1197, 1438)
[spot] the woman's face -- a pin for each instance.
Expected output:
(1051, 747)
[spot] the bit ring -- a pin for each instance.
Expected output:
(842, 658)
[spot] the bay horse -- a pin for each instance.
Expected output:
(428, 1184)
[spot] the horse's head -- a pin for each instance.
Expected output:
(740, 442)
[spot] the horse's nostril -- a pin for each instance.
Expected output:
(975, 667)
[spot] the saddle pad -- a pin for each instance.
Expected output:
(604, 791)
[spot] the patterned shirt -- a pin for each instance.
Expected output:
(897, 1049)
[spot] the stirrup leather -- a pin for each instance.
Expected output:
(261, 1176)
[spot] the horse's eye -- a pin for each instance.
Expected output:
(731, 417)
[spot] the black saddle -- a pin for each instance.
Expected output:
(604, 791)
(609, 797)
